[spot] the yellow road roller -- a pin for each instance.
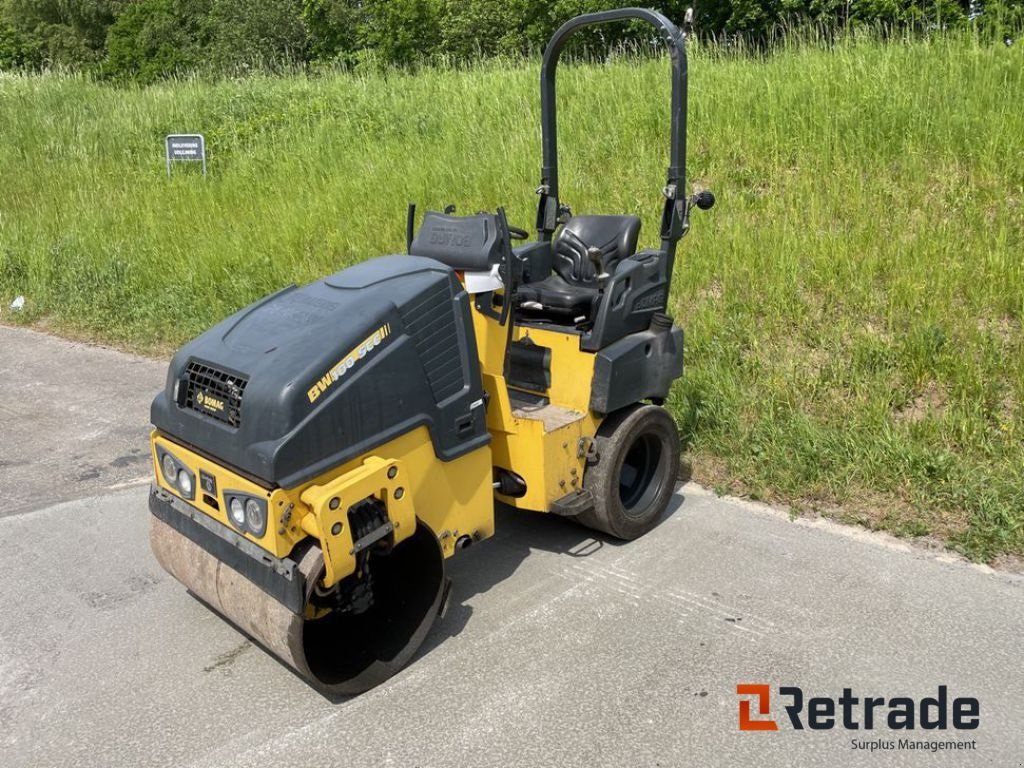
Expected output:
(320, 454)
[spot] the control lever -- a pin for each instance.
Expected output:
(705, 199)
(596, 256)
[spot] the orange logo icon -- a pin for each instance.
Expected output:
(763, 707)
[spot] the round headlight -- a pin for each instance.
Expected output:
(185, 482)
(254, 516)
(170, 470)
(236, 509)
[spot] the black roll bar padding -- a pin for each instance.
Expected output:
(507, 256)
(410, 227)
(674, 214)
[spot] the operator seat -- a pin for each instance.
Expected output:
(570, 291)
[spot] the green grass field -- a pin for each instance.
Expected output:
(853, 304)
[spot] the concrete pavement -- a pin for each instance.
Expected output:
(73, 419)
(558, 648)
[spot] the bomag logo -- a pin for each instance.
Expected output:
(450, 236)
(651, 300)
(209, 402)
(346, 363)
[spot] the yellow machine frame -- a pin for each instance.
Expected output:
(453, 498)
(547, 447)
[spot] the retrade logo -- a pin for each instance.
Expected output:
(851, 712)
(761, 694)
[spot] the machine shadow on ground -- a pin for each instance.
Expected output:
(483, 566)
(478, 569)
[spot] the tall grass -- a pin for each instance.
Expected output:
(853, 304)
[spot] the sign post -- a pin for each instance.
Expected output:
(185, 147)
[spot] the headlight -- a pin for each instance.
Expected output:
(247, 513)
(236, 509)
(255, 517)
(185, 483)
(177, 475)
(170, 469)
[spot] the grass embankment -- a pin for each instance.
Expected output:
(853, 304)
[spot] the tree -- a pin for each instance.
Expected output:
(333, 27)
(402, 32)
(156, 38)
(489, 27)
(257, 34)
(17, 49)
(65, 32)
(149, 39)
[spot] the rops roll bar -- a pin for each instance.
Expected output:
(674, 213)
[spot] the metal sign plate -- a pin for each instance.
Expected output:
(185, 147)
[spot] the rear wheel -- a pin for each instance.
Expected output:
(634, 472)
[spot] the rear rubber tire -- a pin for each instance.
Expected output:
(633, 473)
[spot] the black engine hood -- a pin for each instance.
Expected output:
(309, 377)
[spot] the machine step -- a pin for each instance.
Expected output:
(554, 417)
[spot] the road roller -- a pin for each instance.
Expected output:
(319, 455)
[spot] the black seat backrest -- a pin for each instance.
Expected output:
(462, 242)
(616, 236)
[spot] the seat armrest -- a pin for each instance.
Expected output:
(636, 290)
(535, 258)
(644, 256)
